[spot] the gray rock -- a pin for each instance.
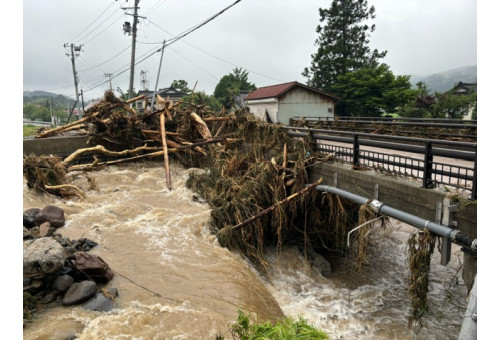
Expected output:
(52, 214)
(42, 256)
(319, 262)
(79, 292)
(63, 282)
(46, 229)
(29, 217)
(100, 302)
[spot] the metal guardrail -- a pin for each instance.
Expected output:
(389, 119)
(457, 129)
(430, 172)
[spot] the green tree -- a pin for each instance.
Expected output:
(231, 85)
(423, 105)
(201, 98)
(342, 43)
(373, 90)
(181, 85)
(453, 106)
(35, 112)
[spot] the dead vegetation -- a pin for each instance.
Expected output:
(420, 250)
(256, 178)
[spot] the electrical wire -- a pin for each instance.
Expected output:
(176, 38)
(105, 29)
(216, 57)
(104, 62)
(112, 2)
(196, 65)
(155, 6)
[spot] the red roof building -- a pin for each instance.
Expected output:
(279, 103)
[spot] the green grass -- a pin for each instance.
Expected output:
(29, 130)
(286, 329)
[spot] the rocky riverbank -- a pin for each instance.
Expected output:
(58, 270)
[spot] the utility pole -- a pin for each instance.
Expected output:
(132, 59)
(74, 51)
(157, 77)
(109, 75)
(83, 105)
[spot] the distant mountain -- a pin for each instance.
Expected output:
(43, 94)
(444, 81)
(38, 97)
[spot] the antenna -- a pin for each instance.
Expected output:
(144, 80)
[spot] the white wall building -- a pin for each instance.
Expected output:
(279, 103)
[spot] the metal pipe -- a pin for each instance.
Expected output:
(455, 235)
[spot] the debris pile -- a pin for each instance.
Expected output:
(119, 134)
(256, 180)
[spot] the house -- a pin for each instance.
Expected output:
(171, 93)
(465, 89)
(92, 103)
(279, 103)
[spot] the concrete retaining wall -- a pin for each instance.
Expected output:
(57, 146)
(403, 194)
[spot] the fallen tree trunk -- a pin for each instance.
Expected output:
(131, 100)
(271, 208)
(201, 126)
(101, 149)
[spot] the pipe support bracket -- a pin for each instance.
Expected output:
(376, 205)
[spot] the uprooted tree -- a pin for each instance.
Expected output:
(257, 178)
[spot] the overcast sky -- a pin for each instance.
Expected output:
(273, 40)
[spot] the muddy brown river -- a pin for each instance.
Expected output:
(176, 282)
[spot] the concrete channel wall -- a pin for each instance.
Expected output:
(57, 146)
(399, 193)
(406, 195)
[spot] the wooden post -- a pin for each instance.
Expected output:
(165, 149)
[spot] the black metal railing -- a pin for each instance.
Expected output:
(420, 165)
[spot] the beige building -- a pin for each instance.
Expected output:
(279, 103)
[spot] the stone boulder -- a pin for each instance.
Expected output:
(104, 301)
(52, 214)
(63, 282)
(46, 229)
(79, 292)
(29, 217)
(42, 256)
(92, 266)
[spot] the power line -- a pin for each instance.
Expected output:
(216, 57)
(112, 1)
(174, 39)
(105, 29)
(104, 62)
(155, 6)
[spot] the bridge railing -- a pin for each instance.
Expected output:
(418, 127)
(456, 166)
(395, 120)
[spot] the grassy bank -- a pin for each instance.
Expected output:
(29, 130)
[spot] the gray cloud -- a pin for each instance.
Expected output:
(271, 39)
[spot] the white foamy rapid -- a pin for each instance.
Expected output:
(176, 282)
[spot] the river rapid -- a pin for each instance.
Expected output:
(176, 282)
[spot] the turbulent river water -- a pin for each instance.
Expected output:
(176, 282)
